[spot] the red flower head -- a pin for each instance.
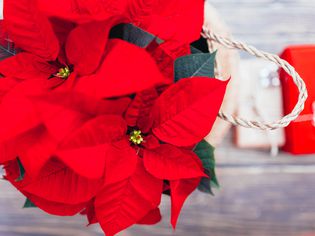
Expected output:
(96, 125)
(51, 45)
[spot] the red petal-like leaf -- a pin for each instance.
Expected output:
(85, 104)
(152, 218)
(177, 20)
(151, 142)
(171, 163)
(34, 148)
(100, 130)
(64, 9)
(126, 69)
(26, 66)
(82, 11)
(6, 84)
(59, 120)
(57, 183)
(139, 111)
(123, 204)
(18, 115)
(90, 213)
(121, 162)
(62, 28)
(30, 29)
(86, 44)
(140, 11)
(180, 190)
(56, 208)
(165, 55)
(99, 147)
(184, 114)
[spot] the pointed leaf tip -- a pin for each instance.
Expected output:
(185, 112)
(29, 204)
(22, 171)
(195, 65)
(206, 154)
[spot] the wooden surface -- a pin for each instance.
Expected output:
(270, 24)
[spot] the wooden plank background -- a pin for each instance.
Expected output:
(270, 24)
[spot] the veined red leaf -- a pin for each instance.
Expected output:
(18, 115)
(40, 149)
(86, 45)
(184, 114)
(176, 20)
(6, 84)
(55, 208)
(123, 204)
(89, 212)
(180, 190)
(170, 163)
(59, 120)
(165, 55)
(34, 148)
(151, 142)
(61, 27)
(26, 66)
(99, 130)
(121, 161)
(126, 69)
(57, 183)
(30, 29)
(85, 104)
(60, 9)
(21, 111)
(152, 218)
(100, 148)
(82, 11)
(139, 111)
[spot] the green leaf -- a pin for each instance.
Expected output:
(195, 65)
(205, 186)
(213, 178)
(22, 171)
(137, 36)
(206, 154)
(195, 50)
(29, 204)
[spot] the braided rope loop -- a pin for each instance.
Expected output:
(286, 120)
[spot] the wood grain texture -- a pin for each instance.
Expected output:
(270, 24)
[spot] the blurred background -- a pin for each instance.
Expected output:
(264, 191)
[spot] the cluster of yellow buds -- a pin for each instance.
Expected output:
(63, 73)
(136, 137)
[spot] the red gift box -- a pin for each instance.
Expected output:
(300, 134)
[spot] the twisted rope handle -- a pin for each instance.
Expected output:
(286, 120)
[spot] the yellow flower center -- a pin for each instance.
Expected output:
(136, 137)
(64, 73)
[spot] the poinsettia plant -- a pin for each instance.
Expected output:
(106, 107)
